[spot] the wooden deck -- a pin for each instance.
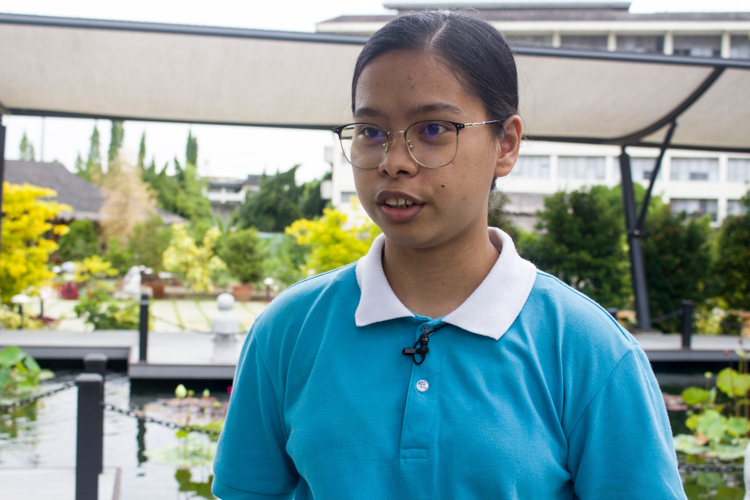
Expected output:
(192, 356)
(53, 483)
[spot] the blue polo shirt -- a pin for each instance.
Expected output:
(529, 391)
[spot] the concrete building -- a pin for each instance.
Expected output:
(692, 181)
(227, 193)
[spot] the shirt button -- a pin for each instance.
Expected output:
(422, 385)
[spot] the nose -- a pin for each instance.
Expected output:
(397, 160)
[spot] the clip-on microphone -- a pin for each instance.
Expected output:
(422, 350)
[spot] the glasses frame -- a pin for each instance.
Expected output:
(386, 146)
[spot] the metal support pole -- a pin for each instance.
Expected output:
(143, 330)
(96, 363)
(90, 437)
(637, 267)
(687, 323)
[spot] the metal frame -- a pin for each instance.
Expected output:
(634, 224)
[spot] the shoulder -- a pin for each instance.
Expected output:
(320, 295)
(577, 318)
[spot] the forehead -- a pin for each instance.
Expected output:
(401, 80)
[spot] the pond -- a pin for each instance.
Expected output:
(44, 435)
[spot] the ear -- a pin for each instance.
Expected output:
(508, 146)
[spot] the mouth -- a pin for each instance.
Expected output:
(399, 207)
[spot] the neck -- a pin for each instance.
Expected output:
(435, 281)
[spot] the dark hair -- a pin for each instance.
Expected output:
(473, 49)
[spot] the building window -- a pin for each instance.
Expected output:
(641, 44)
(529, 40)
(695, 169)
(697, 45)
(739, 47)
(640, 169)
(531, 167)
(696, 208)
(348, 196)
(584, 42)
(738, 170)
(735, 207)
(581, 167)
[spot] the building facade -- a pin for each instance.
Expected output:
(692, 181)
(226, 194)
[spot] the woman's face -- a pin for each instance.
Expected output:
(394, 91)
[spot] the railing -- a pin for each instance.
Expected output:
(686, 326)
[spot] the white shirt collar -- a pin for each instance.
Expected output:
(490, 310)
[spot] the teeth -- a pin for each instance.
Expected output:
(400, 202)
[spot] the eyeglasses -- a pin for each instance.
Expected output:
(431, 143)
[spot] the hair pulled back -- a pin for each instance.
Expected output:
(475, 51)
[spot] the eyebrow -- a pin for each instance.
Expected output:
(422, 109)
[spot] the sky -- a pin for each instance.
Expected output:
(223, 151)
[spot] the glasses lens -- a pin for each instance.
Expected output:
(432, 143)
(363, 144)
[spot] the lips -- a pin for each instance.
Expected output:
(398, 207)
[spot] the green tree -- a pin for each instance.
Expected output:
(243, 254)
(80, 242)
(117, 135)
(581, 239)
(148, 241)
(677, 254)
(119, 255)
(93, 171)
(26, 149)
(191, 150)
(332, 240)
(499, 218)
(275, 206)
(142, 153)
(80, 166)
(733, 260)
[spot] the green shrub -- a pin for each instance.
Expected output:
(80, 242)
(733, 259)
(243, 254)
(100, 309)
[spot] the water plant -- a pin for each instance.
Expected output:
(194, 449)
(720, 420)
(19, 374)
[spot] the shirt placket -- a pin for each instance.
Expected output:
(421, 400)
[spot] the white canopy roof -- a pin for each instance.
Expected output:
(142, 71)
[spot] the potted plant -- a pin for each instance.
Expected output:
(241, 252)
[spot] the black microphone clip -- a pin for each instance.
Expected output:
(422, 350)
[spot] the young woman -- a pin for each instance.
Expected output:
(442, 364)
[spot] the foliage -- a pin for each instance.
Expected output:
(92, 171)
(243, 254)
(117, 135)
(128, 200)
(19, 373)
(497, 217)
(148, 241)
(286, 261)
(25, 250)
(142, 153)
(11, 320)
(332, 241)
(719, 430)
(580, 239)
(191, 149)
(80, 242)
(195, 264)
(279, 202)
(733, 260)
(185, 479)
(181, 193)
(100, 309)
(677, 255)
(93, 267)
(26, 149)
(119, 255)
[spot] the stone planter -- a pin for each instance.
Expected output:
(242, 293)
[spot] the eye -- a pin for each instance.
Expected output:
(432, 129)
(371, 132)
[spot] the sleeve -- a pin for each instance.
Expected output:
(621, 446)
(251, 462)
